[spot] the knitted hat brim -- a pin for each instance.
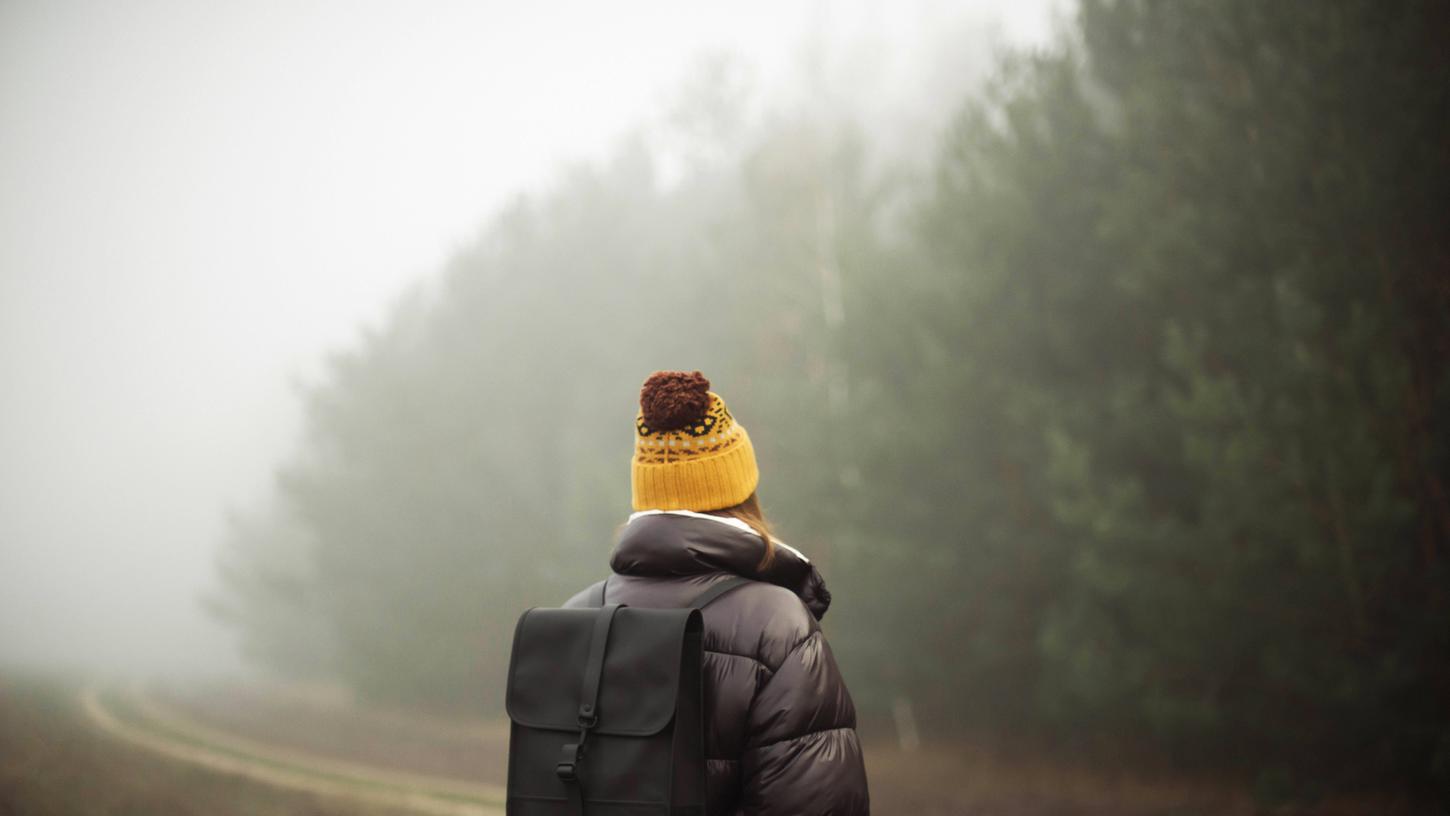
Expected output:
(707, 483)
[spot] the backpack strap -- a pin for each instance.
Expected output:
(717, 589)
(596, 593)
(594, 666)
(568, 769)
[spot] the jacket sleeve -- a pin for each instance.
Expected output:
(802, 756)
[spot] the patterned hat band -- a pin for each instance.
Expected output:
(700, 444)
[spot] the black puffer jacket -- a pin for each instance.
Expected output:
(780, 725)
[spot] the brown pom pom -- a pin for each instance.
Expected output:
(671, 400)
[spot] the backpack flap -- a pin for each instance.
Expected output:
(641, 672)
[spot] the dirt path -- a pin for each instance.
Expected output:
(167, 732)
(455, 747)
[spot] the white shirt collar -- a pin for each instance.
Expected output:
(733, 522)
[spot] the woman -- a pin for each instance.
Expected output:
(780, 725)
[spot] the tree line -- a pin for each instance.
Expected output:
(1115, 418)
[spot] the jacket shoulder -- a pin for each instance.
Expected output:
(580, 599)
(759, 620)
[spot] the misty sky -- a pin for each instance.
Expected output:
(201, 199)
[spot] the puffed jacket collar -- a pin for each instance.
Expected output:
(681, 542)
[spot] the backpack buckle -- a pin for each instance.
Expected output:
(588, 717)
(568, 770)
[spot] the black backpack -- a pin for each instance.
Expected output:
(607, 709)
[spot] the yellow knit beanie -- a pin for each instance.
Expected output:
(689, 452)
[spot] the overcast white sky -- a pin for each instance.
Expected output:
(198, 200)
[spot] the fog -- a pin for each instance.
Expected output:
(202, 200)
(1093, 351)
